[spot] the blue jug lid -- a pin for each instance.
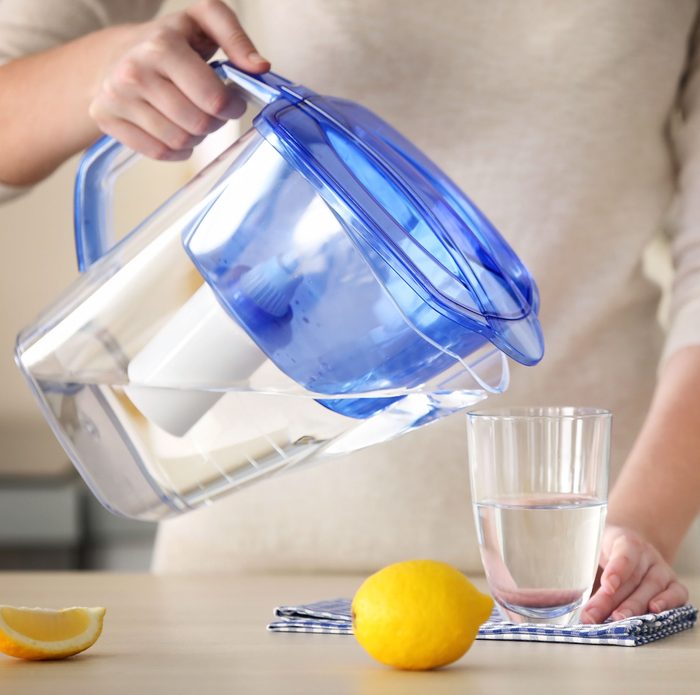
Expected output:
(406, 216)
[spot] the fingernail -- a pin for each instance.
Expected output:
(657, 606)
(622, 614)
(255, 57)
(590, 617)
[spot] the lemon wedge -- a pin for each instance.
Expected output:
(45, 633)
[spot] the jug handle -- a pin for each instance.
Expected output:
(104, 161)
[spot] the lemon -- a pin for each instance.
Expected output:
(44, 633)
(418, 615)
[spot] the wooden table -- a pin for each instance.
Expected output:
(201, 635)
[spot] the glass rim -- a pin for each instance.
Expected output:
(535, 412)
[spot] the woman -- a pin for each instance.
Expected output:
(573, 125)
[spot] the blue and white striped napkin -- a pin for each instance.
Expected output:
(334, 617)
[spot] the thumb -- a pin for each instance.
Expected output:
(219, 22)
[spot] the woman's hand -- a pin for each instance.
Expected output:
(635, 579)
(159, 96)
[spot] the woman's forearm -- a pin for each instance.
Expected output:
(44, 102)
(658, 491)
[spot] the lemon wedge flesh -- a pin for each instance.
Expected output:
(418, 615)
(45, 633)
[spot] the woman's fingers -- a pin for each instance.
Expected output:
(220, 23)
(675, 594)
(160, 97)
(168, 54)
(111, 108)
(627, 562)
(656, 580)
(175, 106)
(635, 579)
(138, 140)
(598, 608)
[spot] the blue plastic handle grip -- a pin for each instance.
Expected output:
(108, 158)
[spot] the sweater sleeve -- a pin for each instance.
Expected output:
(10, 192)
(683, 327)
(30, 26)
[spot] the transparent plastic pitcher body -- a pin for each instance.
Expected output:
(320, 287)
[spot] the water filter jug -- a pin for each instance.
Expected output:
(320, 287)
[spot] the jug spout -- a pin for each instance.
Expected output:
(522, 338)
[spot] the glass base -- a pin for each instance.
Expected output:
(548, 615)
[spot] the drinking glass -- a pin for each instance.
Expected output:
(539, 482)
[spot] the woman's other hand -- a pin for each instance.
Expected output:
(635, 579)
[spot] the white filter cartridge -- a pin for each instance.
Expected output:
(201, 347)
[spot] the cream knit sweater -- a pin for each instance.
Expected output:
(576, 127)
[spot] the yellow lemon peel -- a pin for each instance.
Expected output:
(418, 615)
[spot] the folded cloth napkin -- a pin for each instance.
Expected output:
(334, 617)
